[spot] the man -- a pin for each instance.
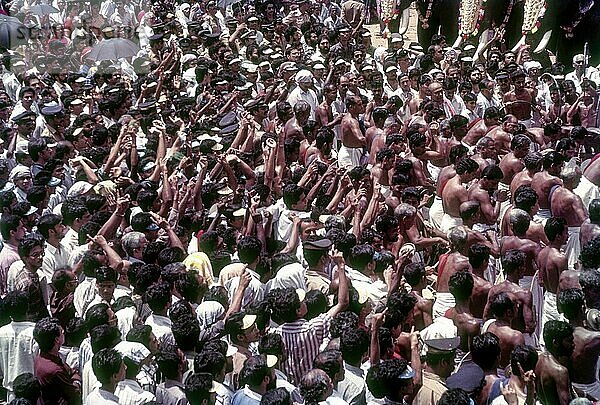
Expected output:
(18, 348)
(486, 97)
(482, 191)
(354, 344)
(571, 303)
(519, 222)
(522, 380)
(450, 263)
(551, 263)
(60, 384)
(533, 164)
(242, 331)
(56, 254)
(502, 134)
(391, 380)
(259, 378)
(415, 276)
(580, 72)
(129, 390)
(22, 276)
(553, 382)
(12, 231)
(353, 138)
(521, 100)
(454, 193)
(172, 365)
(158, 298)
(564, 203)
(316, 386)
(544, 181)
(293, 127)
(304, 92)
(300, 336)
(590, 228)
(461, 287)
(513, 262)
(503, 308)
(483, 127)
(439, 364)
(512, 162)
(249, 249)
(109, 369)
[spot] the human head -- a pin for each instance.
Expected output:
(485, 350)
(558, 337)
(461, 285)
(108, 367)
(571, 303)
(315, 386)
(48, 334)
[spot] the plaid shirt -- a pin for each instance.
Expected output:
(29, 282)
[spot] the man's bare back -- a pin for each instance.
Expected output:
(542, 182)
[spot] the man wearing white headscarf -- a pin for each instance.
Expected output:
(304, 92)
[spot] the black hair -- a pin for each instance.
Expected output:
(485, 349)
(140, 334)
(492, 172)
(570, 302)
(454, 396)
(478, 255)
(75, 332)
(15, 304)
(47, 222)
(106, 363)
(524, 355)
(168, 361)
(461, 285)
(254, 371)
(525, 198)
(249, 248)
(500, 304)
(158, 296)
(186, 331)
(341, 322)
(9, 223)
(414, 273)
(361, 256)
(105, 273)
(97, 315)
(27, 244)
(556, 331)
(553, 227)
(27, 387)
(383, 379)
(590, 254)
(104, 336)
(209, 361)
(45, 332)
(354, 343)
(277, 396)
(284, 303)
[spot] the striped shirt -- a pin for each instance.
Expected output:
(302, 338)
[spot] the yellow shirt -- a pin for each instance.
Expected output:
(431, 391)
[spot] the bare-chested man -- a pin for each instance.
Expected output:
(375, 134)
(381, 171)
(436, 211)
(568, 205)
(521, 100)
(353, 139)
(553, 383)
(479, 259)
(454, 193)
(502, 134)
(415, 276)
(513, 264)
(552, 262)
(519, 221)
(526, 199)
(293, 128)
(491, 120)
(485, 153)
(584, 374)
(470, 214)
(533, 164)
(591, 226)
(324, 112)
(450, 263)
(418, 157)
(467, 325)
(503, 309)
(485, 192)
(512, 162)
(542, 182)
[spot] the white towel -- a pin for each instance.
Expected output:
(449, 222)
(573, 247)
(443, 302)
(587, 191)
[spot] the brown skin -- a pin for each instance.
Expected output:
(553, 384)
(522, 178)
(531, 249)
(352, 137)
(468, 326)
(454, 194)
(511, 164)
(535, 232)
(479, 130)
(509, 338)
(519, 101)
(502, 135)
(445, 174)
(592, 172)
(293, 128)
(569, 279)
(456, 262)
(586, 351)
(588, 231)
(542, 182)
(375, 142)
(422, 311)
(567, 205)
(552, 263)
(524, 319)
(480, 192)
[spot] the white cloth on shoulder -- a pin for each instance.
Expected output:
(542, 215)
(591, 389)
(443, 302)
(587, 190)
(573, 247)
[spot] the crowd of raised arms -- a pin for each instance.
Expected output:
(251, 203)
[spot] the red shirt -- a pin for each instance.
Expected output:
(59, 383)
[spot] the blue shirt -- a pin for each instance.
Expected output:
(245, 396)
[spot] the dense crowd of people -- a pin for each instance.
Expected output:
(262, 207)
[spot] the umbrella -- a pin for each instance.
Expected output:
(12, 32)
(113, 49)
(44, 9)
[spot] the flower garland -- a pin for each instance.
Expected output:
(534, 12)
(388, 10)
(502, 26)
(425, 19)
(470, 15)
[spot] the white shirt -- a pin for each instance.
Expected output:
(255, 291)
(161, 325)
(290, 275)
(300, 95)
(54, 258)
(17, 351)
(89, 383)
(99, 396)
(84, 294)
(353, 386)
(131, 393)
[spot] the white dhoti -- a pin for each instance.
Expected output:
(506, 204)
(549, 312)
(587, 191)
(433, 170)
(542, 215)
(573, 247)
(591, 389)
(531, 283)
(349, 157)
(443, 302)
(436, 212)
(449, 222)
